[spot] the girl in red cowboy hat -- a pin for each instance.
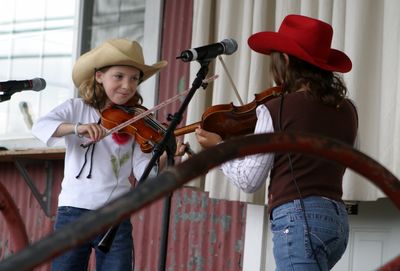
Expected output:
(107, 75)
(308, 217)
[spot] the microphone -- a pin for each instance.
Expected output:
(13, 86)
(227, 47)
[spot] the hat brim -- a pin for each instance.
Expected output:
(267, 42)
(85, 66)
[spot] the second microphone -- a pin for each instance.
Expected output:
(226, 46)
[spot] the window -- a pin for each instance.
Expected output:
(36, 40)
(40, 39)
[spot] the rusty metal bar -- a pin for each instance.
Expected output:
(172, 178)
(14, 222)
(44, 199)
(393, 265)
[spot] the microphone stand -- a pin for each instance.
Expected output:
(167, 144)
(5, 97)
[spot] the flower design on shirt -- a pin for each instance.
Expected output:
(121, 138)
(117, 162)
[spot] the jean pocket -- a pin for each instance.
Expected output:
(64, 211)
(66, 215)
(326, 235)
(280, 223)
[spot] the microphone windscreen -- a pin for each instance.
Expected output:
(38, 84)
(230, 46)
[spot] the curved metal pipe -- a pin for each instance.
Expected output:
(172, 178)
(13, 219)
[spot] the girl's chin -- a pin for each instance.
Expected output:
(120, 101)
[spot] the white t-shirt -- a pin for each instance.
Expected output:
(111, 164)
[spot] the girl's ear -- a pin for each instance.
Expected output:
(99, 77)
(286, 57)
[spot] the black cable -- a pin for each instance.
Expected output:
(303, 209)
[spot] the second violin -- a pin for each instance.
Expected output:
(229, 120)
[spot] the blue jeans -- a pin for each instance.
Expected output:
(329, 232)
(118, 258)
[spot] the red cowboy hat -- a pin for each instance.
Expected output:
(305, 38)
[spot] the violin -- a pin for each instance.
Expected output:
(147, 131)
(229, 120)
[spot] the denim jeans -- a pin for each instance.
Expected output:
(119, 258)
(328, 231)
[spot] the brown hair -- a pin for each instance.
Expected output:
(323, 85)
(93, 93)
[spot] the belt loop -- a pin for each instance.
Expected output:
(297, 204)
(336, 205)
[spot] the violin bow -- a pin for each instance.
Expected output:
(230, 80)
(148, 112)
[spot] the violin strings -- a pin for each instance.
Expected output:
(152, 122)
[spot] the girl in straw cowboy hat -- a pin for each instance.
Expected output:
(308, 217)
(107, 75)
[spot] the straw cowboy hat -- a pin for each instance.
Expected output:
(112, 53)
(305, 38)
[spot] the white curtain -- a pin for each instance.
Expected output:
(367, 30)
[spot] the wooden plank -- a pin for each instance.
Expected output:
(42, 154)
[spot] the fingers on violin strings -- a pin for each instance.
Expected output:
(188, 150)
(180, 148)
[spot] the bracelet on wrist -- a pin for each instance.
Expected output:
(76, 129)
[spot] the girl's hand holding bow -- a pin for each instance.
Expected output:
(93, 131)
